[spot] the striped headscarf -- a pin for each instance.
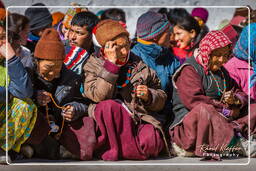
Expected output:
(213, 40)
(242, 48)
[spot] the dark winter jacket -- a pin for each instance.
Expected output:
(65, 90)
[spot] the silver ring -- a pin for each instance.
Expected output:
(106, 46)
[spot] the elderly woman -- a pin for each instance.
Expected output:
(210, 111)
(57, 94)
(238, 66)
(22, 112)
(128, 96)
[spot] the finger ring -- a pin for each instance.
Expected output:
(142, 94)
(106, 46)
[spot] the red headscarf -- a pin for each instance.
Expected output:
(213, 40)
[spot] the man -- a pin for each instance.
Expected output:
(80, 41)
(80, 33)
(40, 19)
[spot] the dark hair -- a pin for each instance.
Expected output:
(87, 19)
(188, 23)
(176, 14)
(16, 23)
(163, 11)
(116, 14)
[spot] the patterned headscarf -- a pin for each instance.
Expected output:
(213, 40)
(241, 49)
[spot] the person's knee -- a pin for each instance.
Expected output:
(108, 103)
(204, 111)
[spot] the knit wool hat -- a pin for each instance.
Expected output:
(2, 14)
(201, 13)
(38, 17)
(50, 46)
(151, 24)
(232, 34)
(57, 17)
(107, 30)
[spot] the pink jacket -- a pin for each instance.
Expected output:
(238, 70)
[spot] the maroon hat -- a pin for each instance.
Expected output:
(201, 13)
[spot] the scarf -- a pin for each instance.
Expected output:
(213, 40)
(242, 48)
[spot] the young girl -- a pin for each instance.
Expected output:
(22, 112)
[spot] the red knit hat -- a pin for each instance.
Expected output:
(201, 13)
(50, 46)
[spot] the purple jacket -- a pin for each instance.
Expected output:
(238, 70)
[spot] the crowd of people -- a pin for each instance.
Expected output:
(79, 86)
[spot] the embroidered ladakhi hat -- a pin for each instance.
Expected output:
(151, 24)
(107, 30)
(50, 46)
(201, 13)
(38, 17)
(71, 12)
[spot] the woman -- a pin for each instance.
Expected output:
(187, 34)
(238, 65)
(22, 112)
(208, 107)
(18, 28)
(57, 94)
(128, 95)
(201, 16)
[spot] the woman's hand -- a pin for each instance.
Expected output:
(68, 113)
(235, 112)
(3, 50)
(110, 51)
(142, 92)
(229, 98)
(43, 97)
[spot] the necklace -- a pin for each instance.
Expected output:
(218, 85)
(127, 80)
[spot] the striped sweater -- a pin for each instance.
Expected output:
(75, 58)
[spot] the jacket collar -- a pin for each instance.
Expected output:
(151, 49)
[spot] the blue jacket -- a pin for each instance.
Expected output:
(20, 85)
(159, 59)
